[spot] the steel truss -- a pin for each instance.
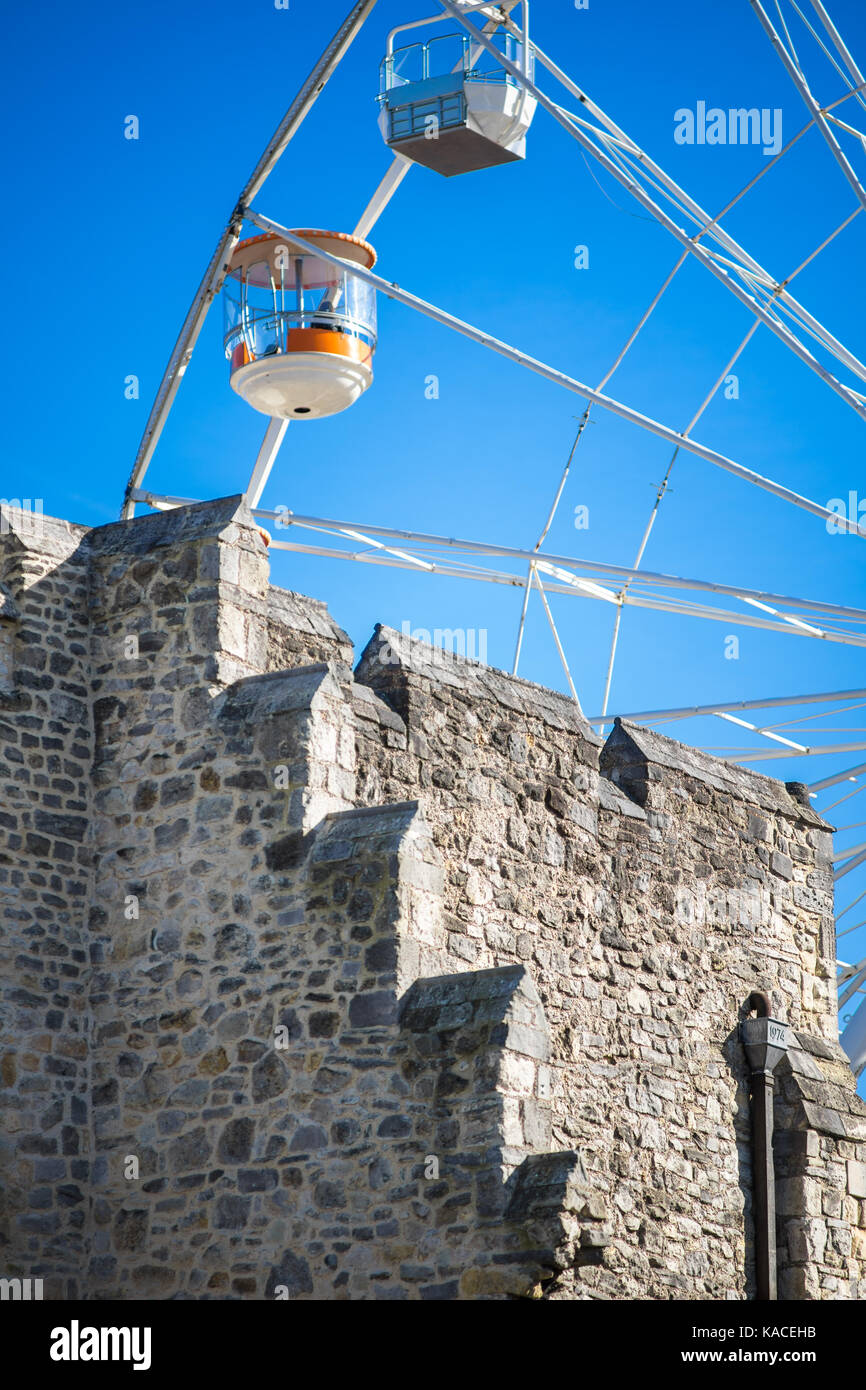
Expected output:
(567, 574)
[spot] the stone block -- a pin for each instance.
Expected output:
(856, 1179)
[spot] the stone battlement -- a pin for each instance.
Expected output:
(394, 984)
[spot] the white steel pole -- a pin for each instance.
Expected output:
(270, 447)
(318, 523)
(540, 587)
(662, 490)
(851, 864)
(519, 643)
(692, 711)
(810, 752)
(862, 895)
(853, 1040)
(213, 277)
(396, 173)
(849, 773)
(597, 566)
(547, 526)
(765, 733)
(825, 810)
(847, 853)
(682, 609)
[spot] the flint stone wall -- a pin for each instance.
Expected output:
(390, 986)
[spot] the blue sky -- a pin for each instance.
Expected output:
(130, 225)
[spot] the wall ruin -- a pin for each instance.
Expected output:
(392, 984)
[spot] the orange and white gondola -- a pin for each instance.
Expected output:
(300, 332)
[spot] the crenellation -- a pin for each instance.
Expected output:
(301, 632)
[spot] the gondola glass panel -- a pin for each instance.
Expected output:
(300, 332)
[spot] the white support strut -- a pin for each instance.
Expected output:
(267, 456)
(849, 774)
(725, 706)
(853, 1040)
(394, 176)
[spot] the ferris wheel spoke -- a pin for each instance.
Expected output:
(726, 706)
(556, 638)
(396, 173)
(848, 775)
(795, 58)
(860, 896)
(795, 724)
(851, 130)
(710, 396)
(267, 457)
(764, 733)
(836, 40)
(522, 624)
(854, 861)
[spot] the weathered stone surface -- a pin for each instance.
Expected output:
(857, 1179)
(290, 1278)
(235, 1144)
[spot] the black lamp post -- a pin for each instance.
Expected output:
(766, 1042)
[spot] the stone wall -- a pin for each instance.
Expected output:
(46, 753)
(400, 985)
(649, 888)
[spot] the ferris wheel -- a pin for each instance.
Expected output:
(461, 91)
